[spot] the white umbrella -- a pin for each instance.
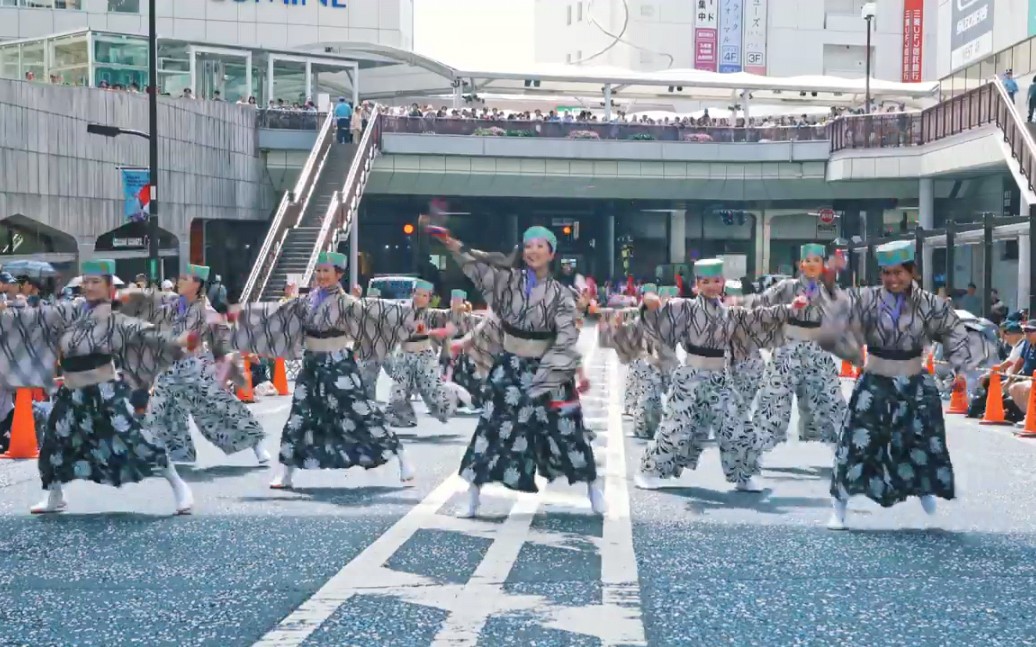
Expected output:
(76, 281)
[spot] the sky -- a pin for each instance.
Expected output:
(467, 33)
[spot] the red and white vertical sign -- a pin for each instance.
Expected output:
(706, 35)
(913, 40)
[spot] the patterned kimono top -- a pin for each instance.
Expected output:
(707, 327)
(85, 339)
(746, 344)
(633, 339)
(172, 313)
(896, 330)
(282, 329)
(804, 324)
(484, 343)
(524, 306)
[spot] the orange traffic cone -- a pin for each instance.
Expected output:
(280, 376)
(958, 400)
(930, 364)
(994, 403)
(1029, 430)
(23, 428)
(244, 393)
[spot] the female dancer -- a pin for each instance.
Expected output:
(417, 366)
(799, 366)
(893, 443)
(332, 424)
(189, 387)
(461, 369)
(531, 421)
(92, 433)
(700, 398)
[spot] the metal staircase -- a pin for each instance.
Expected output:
(309, 218)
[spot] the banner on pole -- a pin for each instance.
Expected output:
(913, 41)
(136, 193)
(755, 36)
(706, 26)
(730, 36)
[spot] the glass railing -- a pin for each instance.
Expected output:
(597, 130)
(981, 106)
(276, 119)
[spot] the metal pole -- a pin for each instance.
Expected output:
(868, 83)
(354, 249)
(1032, 261)
(950, 231)
(919, 255)
(152, 70)
(987, 263)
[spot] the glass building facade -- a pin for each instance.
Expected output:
(1020, 57)
(95, 58)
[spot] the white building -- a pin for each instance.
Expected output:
(774, 37)
(277, 24)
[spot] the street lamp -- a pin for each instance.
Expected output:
(868, 12)
(152, 136)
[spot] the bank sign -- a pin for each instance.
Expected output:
(334, 4)
(971, 37)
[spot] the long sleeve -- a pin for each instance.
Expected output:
(666, 324)
(628, 339)
(484, 343)
(559, 363)
(152, 306)
(761, 322)
(944, 326)
(484, 270)
(380, 325)
(142, 349)
(271, 329)
(29, 343)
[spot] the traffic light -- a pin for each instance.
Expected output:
(567, 230)
(408, 229)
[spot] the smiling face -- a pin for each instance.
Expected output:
(710, 287)
(537, 254)
(896, 278)
(327, 276)
(811, 266)
(95, 288)
(187, 286)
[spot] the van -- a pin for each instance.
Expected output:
(395, 288)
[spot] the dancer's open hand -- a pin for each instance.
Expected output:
(800, 302)
(651, 301)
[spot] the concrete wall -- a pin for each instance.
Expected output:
(54, 172)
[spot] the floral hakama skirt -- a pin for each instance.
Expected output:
(517, 436)
(465, 376)
(893, 444)
(332, 424)
(93, 435)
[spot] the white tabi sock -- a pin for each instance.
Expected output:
(470, 509)
(928, 504)
(54, 502)
(406, 470)
(838, 512)
(596, 494)
(283, 479)
(261, 454)
(182, 493)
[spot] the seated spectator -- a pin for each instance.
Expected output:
(1025, 365)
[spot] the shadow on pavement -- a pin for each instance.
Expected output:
(213, 472)
(363, 496)
(703, 500)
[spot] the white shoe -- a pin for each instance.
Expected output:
(55, 502)
(838, 511)
(182, 493)
(470, 510)
(261, 454)
(406, 470)
(748, 485)
(645, 482)
(283, 479)
(928, 504)
(597, 504)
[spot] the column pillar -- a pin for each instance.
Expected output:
(609, 242)
(762, 243)
(678, 235)
(607, 103)
(926, 218)
(184, 243)
(512, 229)
(1024, 270)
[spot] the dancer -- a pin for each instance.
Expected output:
(532, 420)
(92, 433)
(370, 370)
(893, 443)
(700, 398)
(189, 388)
(461, 368)
(416, 368)
(332, 424)
(798, 364)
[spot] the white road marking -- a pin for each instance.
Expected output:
(302, 622)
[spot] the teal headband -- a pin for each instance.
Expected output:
(421, 284)
(812, 249)
(708, 268)
(541, 233)
(732, 288)
(200, 272)
(668, 291)
(649, 288)
(459, 294)
(98, 267)
(895, 253)
(339, 261)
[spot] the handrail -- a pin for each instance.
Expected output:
(264, 260)
(1010, 121)
(363, 158)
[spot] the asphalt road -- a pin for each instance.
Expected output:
(355, 559)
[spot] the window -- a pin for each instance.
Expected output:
(1021, 57)
(124, 6)
(568, 15)
(647, 10)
